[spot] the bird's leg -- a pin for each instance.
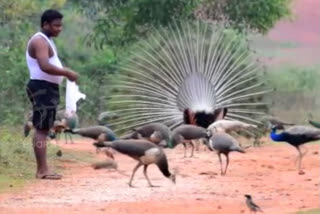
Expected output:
(197, 145)
(305, 151)
(225, 171)
(134, 172)
(70, 135)
(301, 155)
(56, 138)
(66, 138)
(192, 148)
(185, 149)
(146, 175)
(299, 158)
(219, 154)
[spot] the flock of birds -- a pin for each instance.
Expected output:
(146, 144)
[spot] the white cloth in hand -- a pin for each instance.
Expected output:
(72, 96)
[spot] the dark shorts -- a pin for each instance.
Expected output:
(44, 97)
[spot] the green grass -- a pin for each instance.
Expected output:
(17, 162)
(294, 79)
(316, 211)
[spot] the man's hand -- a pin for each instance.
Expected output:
(71, 75)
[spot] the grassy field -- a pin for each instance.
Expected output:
(17, 162)
(317, 211)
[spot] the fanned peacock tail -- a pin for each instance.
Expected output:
(199, 67)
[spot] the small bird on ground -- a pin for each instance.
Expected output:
(145, 152)
(251, 205)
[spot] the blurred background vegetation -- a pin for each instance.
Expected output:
(98, 35)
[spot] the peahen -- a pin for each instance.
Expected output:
(185, 134)
(64, 123)
(229, 126)
(157, 133)
(224, 143)
(145, 153)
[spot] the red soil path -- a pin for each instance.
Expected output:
(267, 173)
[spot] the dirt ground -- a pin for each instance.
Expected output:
(267, 173)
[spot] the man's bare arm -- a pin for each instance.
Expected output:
(41, 51)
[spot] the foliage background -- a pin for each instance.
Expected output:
(98, 36)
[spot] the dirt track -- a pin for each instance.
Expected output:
(268, 173)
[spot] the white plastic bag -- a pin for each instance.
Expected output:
(72, 96)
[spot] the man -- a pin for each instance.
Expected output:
(46, 73)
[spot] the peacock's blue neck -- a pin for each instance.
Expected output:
(276, 137)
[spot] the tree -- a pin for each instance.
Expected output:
(119, 22)
(245, 15)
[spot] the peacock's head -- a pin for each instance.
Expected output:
(111, 137)
(247, 196)
(172, 142)
(98, 144)
(210, 132)
(274, 128)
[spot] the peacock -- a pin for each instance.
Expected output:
(296, 136)
(191, 73)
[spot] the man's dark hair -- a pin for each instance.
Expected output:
(50, 15)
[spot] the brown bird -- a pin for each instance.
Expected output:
(251, 205)
(144, 152)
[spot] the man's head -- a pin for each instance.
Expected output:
(51, 22)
